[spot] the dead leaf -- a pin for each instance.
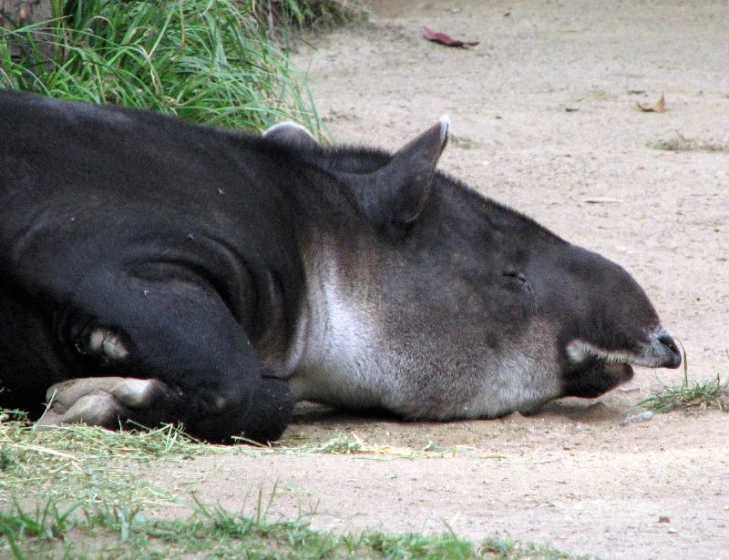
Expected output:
(447, 40)
(658, 107)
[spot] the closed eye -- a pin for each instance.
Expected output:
(519, 277)
(514, 274)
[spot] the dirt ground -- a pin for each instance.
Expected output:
(544, 118)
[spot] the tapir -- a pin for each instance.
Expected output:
(157, 271)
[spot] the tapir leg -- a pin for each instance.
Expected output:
(111, 401)
(28, 357)
(180, 333)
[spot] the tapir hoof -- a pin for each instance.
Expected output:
(112, 402)
(97, 401)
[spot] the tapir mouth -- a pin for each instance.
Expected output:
(659, 351)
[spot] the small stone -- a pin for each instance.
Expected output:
(640, 417)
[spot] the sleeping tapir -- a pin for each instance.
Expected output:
(153, 270)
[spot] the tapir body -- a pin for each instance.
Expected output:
(154, 270)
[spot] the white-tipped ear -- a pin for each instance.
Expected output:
(445, 125)
(397, 193)
(290, 134)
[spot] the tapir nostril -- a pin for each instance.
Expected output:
(668, 342)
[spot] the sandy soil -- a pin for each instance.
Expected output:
(544, 116)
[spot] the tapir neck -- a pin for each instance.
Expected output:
(333, 355)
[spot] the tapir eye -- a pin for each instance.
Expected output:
(516, 275)
(525, 284)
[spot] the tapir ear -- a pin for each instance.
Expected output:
(397, 193)
(290, 134)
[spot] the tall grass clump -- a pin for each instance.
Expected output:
(699, 395)
(696, 396)
(208, 61)
(310, 13)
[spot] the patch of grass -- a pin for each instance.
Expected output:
(699, 395)
(102, 531)
(681, 143)
(72, 461)
(69, 461)
(352, 444)
(66, 463)
(80, 492)
(311, 13)
(592, 95)
(463, 142)
(208, 61)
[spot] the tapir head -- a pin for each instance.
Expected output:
(458, 306)
(604, 320)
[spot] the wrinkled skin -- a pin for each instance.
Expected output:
(156, 271)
